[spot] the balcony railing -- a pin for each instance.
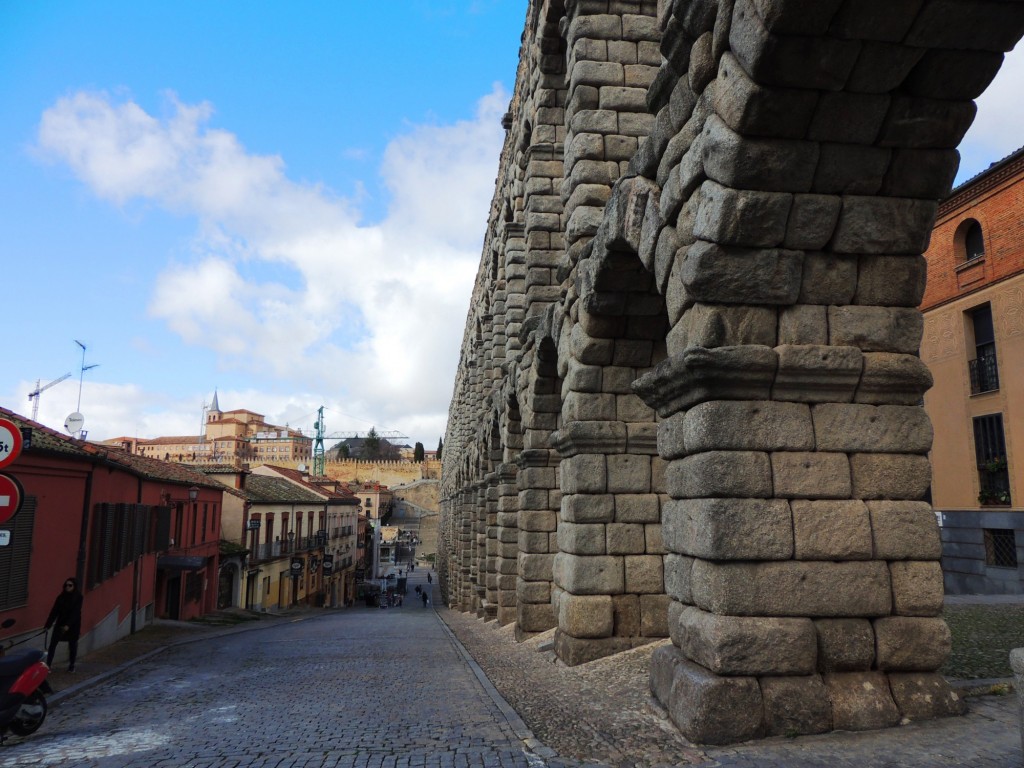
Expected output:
(984, 374)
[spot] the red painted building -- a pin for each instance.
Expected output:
(108, 518)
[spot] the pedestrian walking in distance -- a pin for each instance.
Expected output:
(423, 596)
(66, 619)
(430, 579)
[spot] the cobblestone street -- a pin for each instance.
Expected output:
(400, 687)
(364, 687)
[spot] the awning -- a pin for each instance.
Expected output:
(181, 562)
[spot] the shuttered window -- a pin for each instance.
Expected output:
(121, 533)
(16, 557)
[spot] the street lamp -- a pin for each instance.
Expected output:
(295, 575)
(193, 493)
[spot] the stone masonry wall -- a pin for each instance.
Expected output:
(695, 324)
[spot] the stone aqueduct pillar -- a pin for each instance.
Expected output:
(705, 244)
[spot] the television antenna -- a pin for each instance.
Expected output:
(76, 421)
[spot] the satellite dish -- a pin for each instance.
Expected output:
(74, 423)
(301, 467)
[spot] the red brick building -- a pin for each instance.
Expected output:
(973, 343)
(107, 518)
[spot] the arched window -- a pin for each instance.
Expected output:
(969, 241)
(974, 242)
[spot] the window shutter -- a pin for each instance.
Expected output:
(16, 558)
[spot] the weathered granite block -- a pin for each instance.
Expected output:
(795, 705)
(711, 709)
(725, 325)
(738, 425)
(923, 696)
(860, 428)
(890, 476)
(815, 373)
(574, 651)
(831, 530)
(534, 617)
(904, 530)
(771, 165)
(677, 577)
(735, 645)
(728, 529)
(884, 225)
(585, 473)
(828, 279)
(644, 574)
(585, 615)
(917, 588)
(803, 324)
(628, 473)
(583, 508)
(626, 610)
(536, 567)
(637, 508)
(589, 575)
(742, 217)
(538, 520)
(807, 475)
(876, 329)
(792, 588)
(845, 645)
(861, 701)
(625, 538)
(533, 542)
(581, 539)
(654, 615)
(911, 644)
(664, 661)
(754, 110)
(533, 591)
(812, 219)
(849, 169)
(730, 474)
(717, 274)
(890, 281)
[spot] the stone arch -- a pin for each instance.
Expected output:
(609, 575)
(539, 496)
(506, 520)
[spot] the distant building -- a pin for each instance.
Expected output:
(237, 438)
(973, 343)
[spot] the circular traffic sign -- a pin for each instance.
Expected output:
(11, 496)
(10, 442)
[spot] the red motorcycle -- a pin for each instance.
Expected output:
(22, 689)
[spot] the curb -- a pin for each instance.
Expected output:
(530, 742)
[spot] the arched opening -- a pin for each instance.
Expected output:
(969, 241)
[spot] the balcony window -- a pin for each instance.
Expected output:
(984, 370)
(993, 467)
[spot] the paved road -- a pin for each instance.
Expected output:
(365, 687)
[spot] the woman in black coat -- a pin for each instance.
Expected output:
(66, 620)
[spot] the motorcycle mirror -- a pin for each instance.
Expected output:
(7, 623)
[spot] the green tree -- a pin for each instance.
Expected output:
(371, 445)
(417, 452)
(440, 447)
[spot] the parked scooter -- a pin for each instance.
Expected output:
(22, 687)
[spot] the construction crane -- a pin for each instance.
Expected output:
(318, 443)
(34, 395)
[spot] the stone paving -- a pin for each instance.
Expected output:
(369, 687)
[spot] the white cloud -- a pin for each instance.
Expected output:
(284, 282)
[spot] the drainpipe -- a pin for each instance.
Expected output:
(83, 535)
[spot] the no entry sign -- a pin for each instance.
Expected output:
(11, 495)
(10, 442)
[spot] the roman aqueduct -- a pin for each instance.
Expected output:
(687, 404)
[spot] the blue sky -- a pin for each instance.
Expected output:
(281, 201)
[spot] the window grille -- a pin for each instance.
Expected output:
(990, 453)
(1000, 547)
